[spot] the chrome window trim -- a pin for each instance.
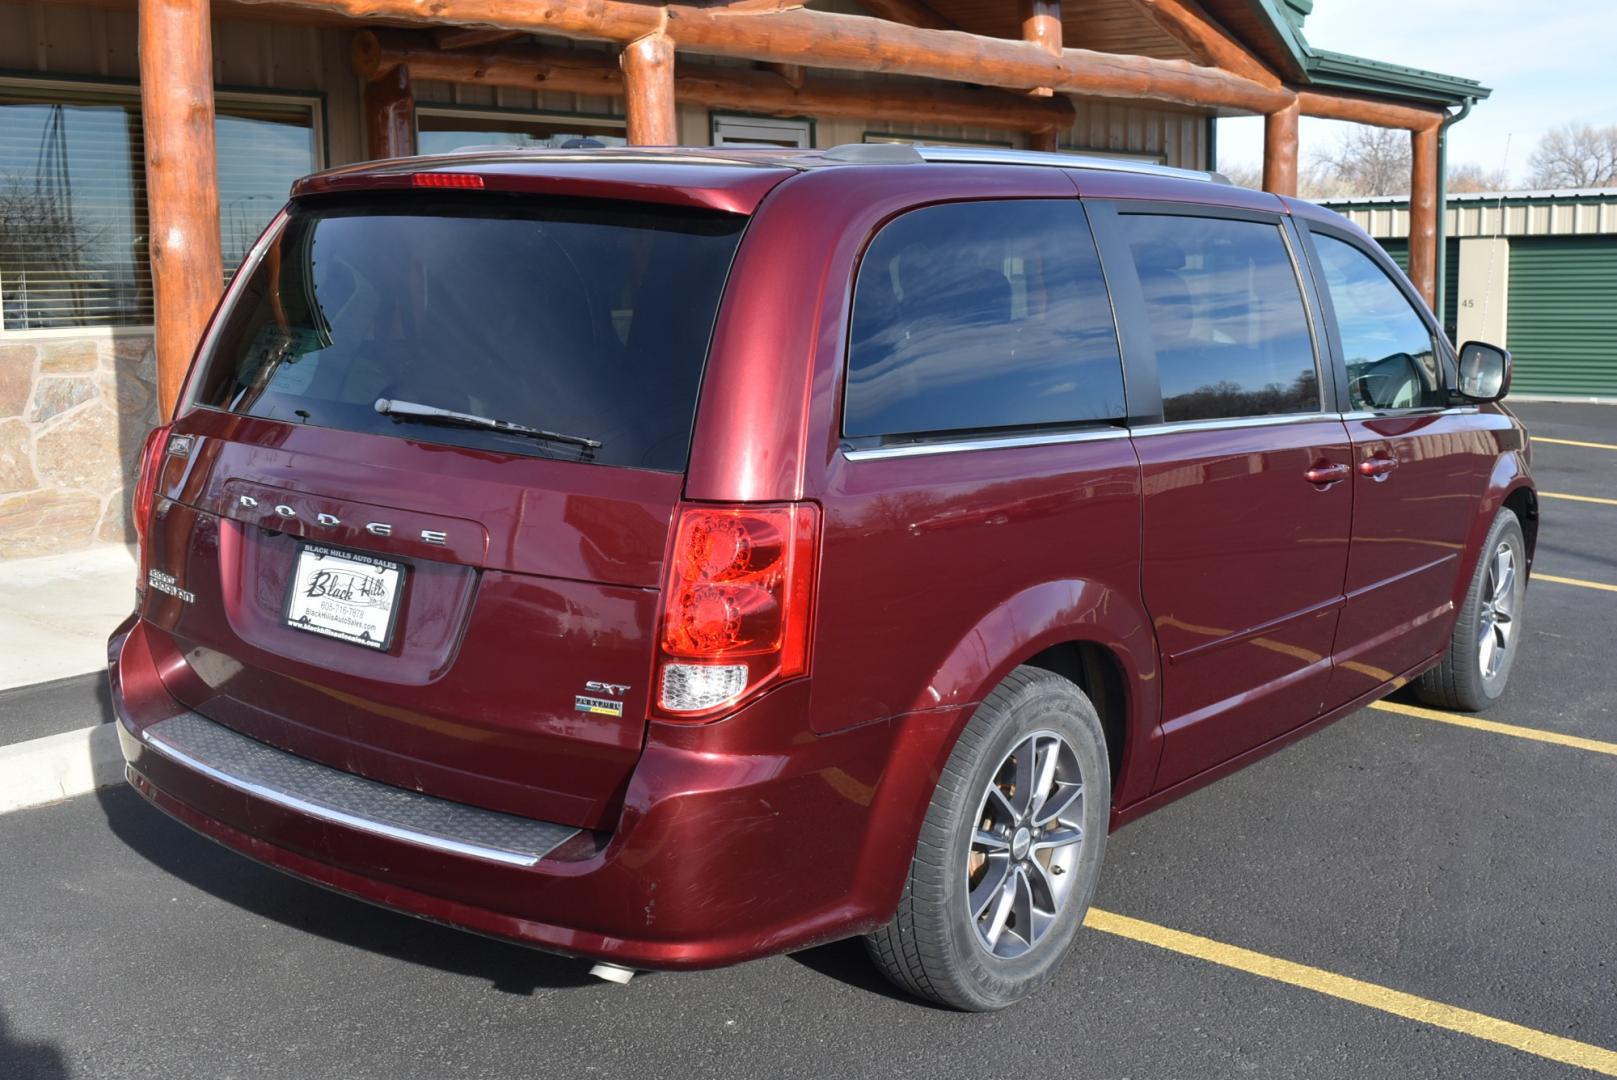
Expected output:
(997, 442)
(1430, 410)
(1232, 423)
(339, 817)
(1003, 442)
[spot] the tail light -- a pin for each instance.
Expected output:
(736, 606)
(151, 464)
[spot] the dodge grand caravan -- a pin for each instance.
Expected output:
(670, 558)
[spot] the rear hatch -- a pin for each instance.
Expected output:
(346, 572)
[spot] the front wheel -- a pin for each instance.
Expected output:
(1009, 852)
(1488, 633)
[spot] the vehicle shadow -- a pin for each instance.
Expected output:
(275, 896)
(29, 1061)
(847, 963)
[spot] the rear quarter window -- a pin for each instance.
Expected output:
(981, 316)
(589, 318)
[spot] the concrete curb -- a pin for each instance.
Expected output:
(58, 767)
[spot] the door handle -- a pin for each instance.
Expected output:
(1377, 468)
(1326, 474)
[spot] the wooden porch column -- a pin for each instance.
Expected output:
(1423, 211)
(182, 181)
(1280, 151)
(390, 115)
(648, 83)
(1041, 25)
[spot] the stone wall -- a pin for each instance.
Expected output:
(74, 412)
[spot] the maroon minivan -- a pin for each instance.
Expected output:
(672, 557)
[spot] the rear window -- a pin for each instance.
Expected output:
(584, 318)
(979, 316)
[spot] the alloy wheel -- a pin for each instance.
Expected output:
(1024, 848)
(1497, 617)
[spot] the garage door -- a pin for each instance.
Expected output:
(1563, 315)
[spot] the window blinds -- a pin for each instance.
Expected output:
(73, 223)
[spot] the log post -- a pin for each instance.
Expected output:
(1041, 25)
(1048, 140)
(648, 82)
(390, 115)
(1280, 151)
(1423, 213)
(182, 181)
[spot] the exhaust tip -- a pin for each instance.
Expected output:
(612, 973)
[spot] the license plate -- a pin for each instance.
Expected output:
(345, 594)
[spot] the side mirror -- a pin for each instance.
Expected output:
(1484, 371)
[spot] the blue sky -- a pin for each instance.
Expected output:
(1548, 64)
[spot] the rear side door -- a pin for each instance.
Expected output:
(1421, 465)
(1245, 463)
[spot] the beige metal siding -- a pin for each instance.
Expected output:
(1521, 215)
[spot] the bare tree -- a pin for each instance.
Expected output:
(1471, 177)
(1365, 161)
(1574, 156)
(1244, 174)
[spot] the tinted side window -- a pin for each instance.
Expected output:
(1391, 358)
(981, 315)
(1226, 316)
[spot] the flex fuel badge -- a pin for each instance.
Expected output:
(601, 706)
(165, 583)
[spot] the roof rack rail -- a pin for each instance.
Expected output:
(919, 153)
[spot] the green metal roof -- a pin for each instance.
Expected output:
(1339, 71)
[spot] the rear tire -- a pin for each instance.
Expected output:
(1009, 853)
(1487, 634)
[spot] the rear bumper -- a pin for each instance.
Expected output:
(736, 839)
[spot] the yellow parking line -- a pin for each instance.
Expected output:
(1574, 442)
(1577, 498)
(1477, 1025)
(1582, 584)
(1477, 723)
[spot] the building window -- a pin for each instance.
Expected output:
(73, 222)
(761, 131)
(443, 131)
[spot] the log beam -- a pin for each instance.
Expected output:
(648, 82)
(528, 67)
(182, 181)
(1208, 42)
(455, 37)
(1367, 110)
(1280, 151)
(390, 115)
(1423, 214)
(848, 42)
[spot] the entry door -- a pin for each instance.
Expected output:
(1247, 506)
(1420, 469)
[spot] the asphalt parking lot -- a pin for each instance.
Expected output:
(1399, 884)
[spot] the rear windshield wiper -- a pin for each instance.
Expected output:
(431, 414)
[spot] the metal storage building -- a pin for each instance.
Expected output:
(1536, 270)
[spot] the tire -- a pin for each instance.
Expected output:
(1035, 725)
(1470, 678)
